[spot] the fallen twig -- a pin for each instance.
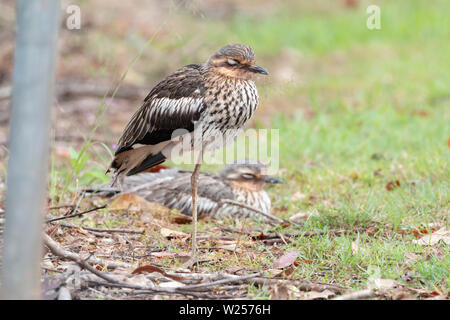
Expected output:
(358, 295)
(76, 214)
(223, 281)
(239, 204)
(302, 285)
(56, 249)
(282, 238)
(103, 230)
(62, 206)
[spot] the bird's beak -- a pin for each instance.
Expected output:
(272, 180)
(257, 69)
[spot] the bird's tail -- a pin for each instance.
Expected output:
(136, 160)
(149, 162)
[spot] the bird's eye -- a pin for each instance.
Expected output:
(231, 62)
(248, 176)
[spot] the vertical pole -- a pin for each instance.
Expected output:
(32, 98)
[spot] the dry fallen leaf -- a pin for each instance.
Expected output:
(181, 220)
(418, 233)
(434, 238)
(129, 202)
(230, 247)
(168, 233)
(150, 269)
(285, 260)
(261, 236)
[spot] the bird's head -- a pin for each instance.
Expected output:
(249, 175)
(235, 61)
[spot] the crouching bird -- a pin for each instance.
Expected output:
(198, 107)
(242, 181)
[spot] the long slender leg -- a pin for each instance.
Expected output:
(194, 188)
(194, 184)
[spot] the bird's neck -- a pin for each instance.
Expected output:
(220, 75)
(244, 186)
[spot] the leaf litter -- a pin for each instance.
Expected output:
(148, 265)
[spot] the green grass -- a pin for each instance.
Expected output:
(380, 113)
(382, 116)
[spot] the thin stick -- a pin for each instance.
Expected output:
(218, 282)
(185, 288)
(62, 206)
(76, 214)
(56, 249)
(240, 204)
(282, 238)
(194, 186)
(301, 285)
(103, 230)
(142, 290)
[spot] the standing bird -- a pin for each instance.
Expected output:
(198, 107)
(242, 181)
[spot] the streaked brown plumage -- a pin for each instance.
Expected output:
(242, 181)
(218, 96)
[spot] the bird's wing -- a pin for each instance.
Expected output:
(174, 103)
(148, 180)
(134, 184)
(176, 193)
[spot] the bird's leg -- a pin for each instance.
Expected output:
(194, 184)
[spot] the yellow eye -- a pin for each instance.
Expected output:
(231, 62)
